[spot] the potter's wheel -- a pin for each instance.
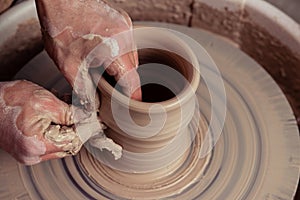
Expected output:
(256, 157)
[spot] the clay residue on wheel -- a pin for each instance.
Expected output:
(20, 48)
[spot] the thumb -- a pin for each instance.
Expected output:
(60, 112)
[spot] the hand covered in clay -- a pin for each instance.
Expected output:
(81, 34)
(28, 117)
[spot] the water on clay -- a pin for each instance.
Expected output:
(256, 157)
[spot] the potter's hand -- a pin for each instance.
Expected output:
(72, 29)
(28, 115)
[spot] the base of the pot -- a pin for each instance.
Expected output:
(166, 182)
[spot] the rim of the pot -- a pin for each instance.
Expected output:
(182, 97)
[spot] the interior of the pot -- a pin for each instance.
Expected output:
(163, 74)
(173, 82)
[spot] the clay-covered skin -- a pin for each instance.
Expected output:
(28, 115)
(72, 29)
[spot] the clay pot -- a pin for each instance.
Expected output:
(144, 127)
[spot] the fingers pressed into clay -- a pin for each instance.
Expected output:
(127, 76)
(64, 138)
(51, 147)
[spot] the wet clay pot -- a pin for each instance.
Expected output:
(169, 73)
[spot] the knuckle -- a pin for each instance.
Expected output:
(42, 93)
